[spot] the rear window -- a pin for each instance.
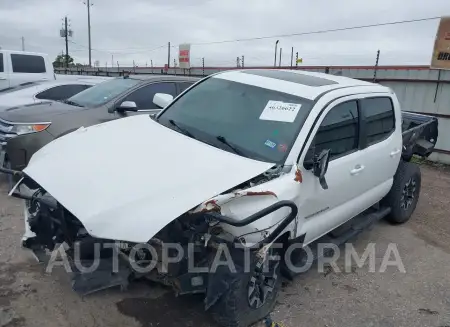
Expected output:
(27, 64)
(1, 63)
(62, 92)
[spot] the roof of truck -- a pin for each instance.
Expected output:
(301, 83)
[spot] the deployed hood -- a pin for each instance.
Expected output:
(128, 178)
(36, 112)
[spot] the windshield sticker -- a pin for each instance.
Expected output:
(280, 111)
(270, 144)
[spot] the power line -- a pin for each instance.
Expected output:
(117, 52)
(321, 31)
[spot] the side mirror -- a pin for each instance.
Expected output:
(162, 100)
(320, 167)
(127, 106)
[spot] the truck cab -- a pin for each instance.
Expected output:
(18, 67)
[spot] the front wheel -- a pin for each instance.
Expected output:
(404, 194)
(250, 298)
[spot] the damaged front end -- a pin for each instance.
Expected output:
(183, 255)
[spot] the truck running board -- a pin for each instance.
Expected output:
(346, 232)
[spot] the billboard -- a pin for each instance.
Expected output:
(184, 55)
(441, 50)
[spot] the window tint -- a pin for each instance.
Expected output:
(27, 64)
(338, 131)
(380, 118)
(62, 92)
(144, 96)
(1, 63)
(184, 85)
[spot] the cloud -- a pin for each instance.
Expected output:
(139, 30)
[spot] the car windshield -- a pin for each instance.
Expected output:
(258, 123)
(102, 93)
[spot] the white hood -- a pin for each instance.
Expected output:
(127, 179)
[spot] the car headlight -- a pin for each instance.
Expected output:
(29, 128)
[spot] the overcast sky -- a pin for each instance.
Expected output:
(140, 29)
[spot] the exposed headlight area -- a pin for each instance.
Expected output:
(20, 129)
(9, 130)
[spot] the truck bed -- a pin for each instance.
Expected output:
(420, 133)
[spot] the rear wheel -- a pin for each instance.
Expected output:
(250, 298)
(404, 194)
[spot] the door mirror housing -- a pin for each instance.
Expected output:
(162, 100)
(320, 167)
(128, 106)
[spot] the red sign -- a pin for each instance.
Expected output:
(184, 54)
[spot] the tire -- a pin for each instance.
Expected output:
(233, 309)
(404, 194)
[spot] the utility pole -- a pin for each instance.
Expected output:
(88, 5)
(112, 60)
(67, 42)
(23, 43)
(203, 66)
(65, 32)
(292, 56)
(151, 64)
(376, 67)
(279, 62)
(242, 62)
(168, 56)
(237, 61)
(275, 60)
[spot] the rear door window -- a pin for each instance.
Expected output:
(183, 86)
(143, 97)
(29, 64)
(379, 118)
(62, 92)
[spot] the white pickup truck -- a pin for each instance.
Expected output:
(243, 163)
(18, 67)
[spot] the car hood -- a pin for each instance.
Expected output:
(127, 179)
(36, 112)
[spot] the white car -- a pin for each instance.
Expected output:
(39, 91)
(241, 166)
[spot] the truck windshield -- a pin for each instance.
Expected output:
(254, 122)
(102, 93)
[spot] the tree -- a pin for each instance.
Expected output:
(60, 61)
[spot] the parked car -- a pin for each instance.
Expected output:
(39, 91)
(259, 160)
(17, 67)
(24, 130)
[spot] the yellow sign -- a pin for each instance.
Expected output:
(441, 50)
(299, 60)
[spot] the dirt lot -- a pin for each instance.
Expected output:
(419, 297)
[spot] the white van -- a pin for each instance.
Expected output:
(17, 67)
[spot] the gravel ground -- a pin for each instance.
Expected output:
(420, 297)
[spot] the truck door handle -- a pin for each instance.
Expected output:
(395, 152)
(357, 170)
